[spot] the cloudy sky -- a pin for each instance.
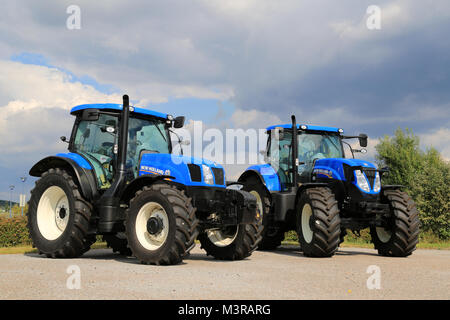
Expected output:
(228, 63)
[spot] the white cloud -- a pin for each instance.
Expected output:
(34, 110)
(254, 119)
(440, 139)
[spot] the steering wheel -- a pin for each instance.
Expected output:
(319, 156)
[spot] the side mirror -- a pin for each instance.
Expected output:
(362, 140)
(90, 115)
(64, 139)
(178, 122)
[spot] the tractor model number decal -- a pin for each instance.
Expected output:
(323, 172)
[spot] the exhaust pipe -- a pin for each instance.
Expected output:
(294, 152)
(109, 202)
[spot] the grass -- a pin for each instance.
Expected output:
(5, 214)
(427, 241)
(362, 244)
(30, 249)
(18, 249)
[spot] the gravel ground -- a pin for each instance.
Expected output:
(281, 274)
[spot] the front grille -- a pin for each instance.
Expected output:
(195, 172)
(370, 174)
(218, 175)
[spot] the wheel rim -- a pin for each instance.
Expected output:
(53, 213)
(306, 227)
(223, 237)
(383, 234)
(149, 241)
(258, 201)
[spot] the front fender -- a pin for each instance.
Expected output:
(139, 183)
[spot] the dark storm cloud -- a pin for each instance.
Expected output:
(408, 88)
(316, 59)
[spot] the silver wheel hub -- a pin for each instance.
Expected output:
(152, 226)
(62, 215)
(259, 204)
(383, 234)
(223, 237)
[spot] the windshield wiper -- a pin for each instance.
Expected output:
(156, 125)
(328, 137)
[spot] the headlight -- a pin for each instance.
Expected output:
(361, 181)
(377, 184)
(207, 174)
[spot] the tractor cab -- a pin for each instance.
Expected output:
(96, 135)
(313, 143)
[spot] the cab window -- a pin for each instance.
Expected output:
(95, 140)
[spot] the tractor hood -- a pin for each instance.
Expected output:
(186, 170)
(334, 167)
(357, 172)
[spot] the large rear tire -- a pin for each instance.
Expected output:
(58, 216)
(401, 238)
(271, 235)
(318, 222)
(161, 225)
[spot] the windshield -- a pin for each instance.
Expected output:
(145, 136)
(96, 140)
(311, 146)
(318, 146)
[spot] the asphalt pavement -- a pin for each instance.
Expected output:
(352, 273)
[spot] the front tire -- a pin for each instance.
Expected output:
(232, 242)
(58, 216)
(118, 243)
(161, 225)
(402, 236)
(318, 222)
(271, 236)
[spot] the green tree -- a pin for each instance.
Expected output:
(425, 175)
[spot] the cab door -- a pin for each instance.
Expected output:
(96, 141)
(279, 156)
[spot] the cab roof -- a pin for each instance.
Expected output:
(118, 107)
(308, 127)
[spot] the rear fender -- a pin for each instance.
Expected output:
(84, 177)
(266, 174)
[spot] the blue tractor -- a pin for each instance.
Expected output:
(309, 186)
(121, 180)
